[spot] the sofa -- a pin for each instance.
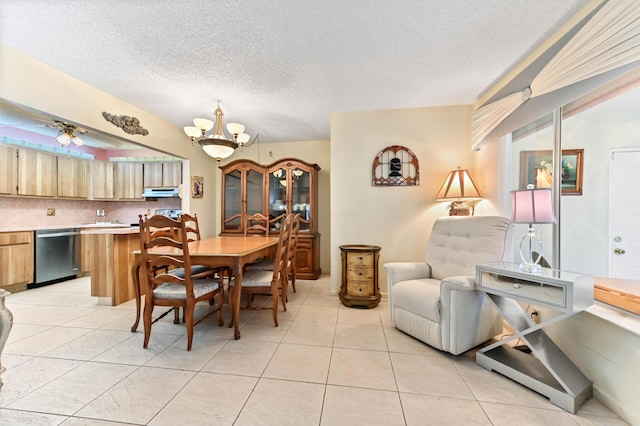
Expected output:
(437, 301)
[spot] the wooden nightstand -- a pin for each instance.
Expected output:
(360, 275)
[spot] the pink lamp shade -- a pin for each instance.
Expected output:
(532, 206)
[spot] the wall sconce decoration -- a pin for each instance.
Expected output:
(396, 166)
(130, 125)
(461, 190)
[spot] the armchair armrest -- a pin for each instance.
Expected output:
(403, 271)
(460, 282)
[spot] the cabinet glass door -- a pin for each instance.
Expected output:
(232, 201)
(255, 182)
(277, 197)
(301, 196)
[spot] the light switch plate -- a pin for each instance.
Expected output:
(51, 211)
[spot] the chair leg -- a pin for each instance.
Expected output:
(285, 287)
(146, 320)
(220, 305)
(176, 315)
(274, 296)
(188, 310)
(293, 279)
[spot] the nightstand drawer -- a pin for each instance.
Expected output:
(530, 291)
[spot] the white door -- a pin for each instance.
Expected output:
(624, 214)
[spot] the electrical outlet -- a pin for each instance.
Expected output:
(51, 211)
(535, 315)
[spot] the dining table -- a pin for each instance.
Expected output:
(234, 252)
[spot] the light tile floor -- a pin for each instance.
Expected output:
(72, 362)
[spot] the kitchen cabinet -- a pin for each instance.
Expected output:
(37, 173)
(103, 180)
(16, 260)
(286, 186)
(129, 181)
(162, 175)
(8, 170)
(72, 177)
(171, 174)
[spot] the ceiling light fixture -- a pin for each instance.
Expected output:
(218, 145)
(67, 133)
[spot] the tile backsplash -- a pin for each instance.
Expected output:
(33, 211)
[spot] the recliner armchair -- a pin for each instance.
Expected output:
(436, 301)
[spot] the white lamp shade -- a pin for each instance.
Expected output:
(203, 124)
(458, 185)
(76, 140)
(235, 128)
(192, 132)
(63, 139)
(218, 151)
(243, 138)
(532, 206)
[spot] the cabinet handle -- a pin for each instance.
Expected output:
(619, 251)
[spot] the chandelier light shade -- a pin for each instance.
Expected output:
(218, 145)
(532, 206)
(461, 190)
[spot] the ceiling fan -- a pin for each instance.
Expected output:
(67, 133)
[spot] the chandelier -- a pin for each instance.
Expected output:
(67, 133)
(217, 145)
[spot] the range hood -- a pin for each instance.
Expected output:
(161, 193)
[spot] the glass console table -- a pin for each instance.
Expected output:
(547, 370)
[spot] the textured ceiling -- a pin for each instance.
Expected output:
(281, 67)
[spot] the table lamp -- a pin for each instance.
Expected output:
(532, 206)
(461, 190)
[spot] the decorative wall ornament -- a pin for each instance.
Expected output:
(396, 166)
(197, 186)
(129, 124)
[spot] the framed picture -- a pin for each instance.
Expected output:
(197, 186)
(536, 167)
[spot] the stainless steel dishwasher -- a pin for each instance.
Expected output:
(57, 255)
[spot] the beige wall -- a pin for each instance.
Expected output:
(398, 219)
(38, 86)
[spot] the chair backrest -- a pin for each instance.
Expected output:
(149, 239)
(257, 224)
(191, 226)
(458, 243)
(280, 270)
(293, 241)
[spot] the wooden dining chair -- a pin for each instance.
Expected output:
(167, 289)
(257, 224)
(269, 283)
(292, 248)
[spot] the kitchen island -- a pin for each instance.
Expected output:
(110, 256)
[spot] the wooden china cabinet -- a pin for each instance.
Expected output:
(286, 186)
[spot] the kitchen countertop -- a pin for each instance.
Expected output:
(109, 227)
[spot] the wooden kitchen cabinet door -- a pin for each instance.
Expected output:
(72, 178)
(16, 260)
(129, 184)
(103, 180)
(152, 175)
(37, 173)
(8, 170)
(171, 174)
